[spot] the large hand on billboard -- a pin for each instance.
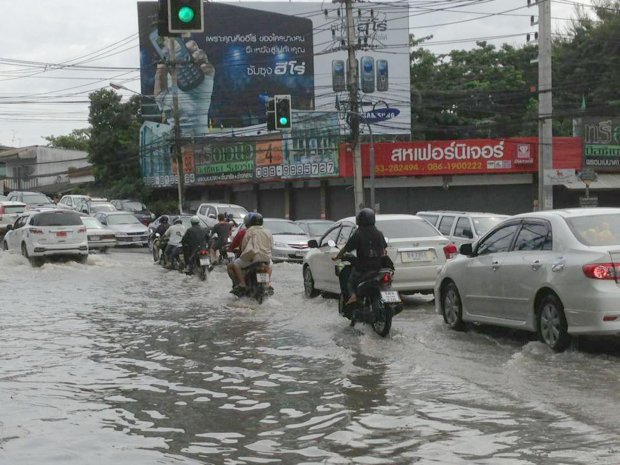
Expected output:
(195, 100)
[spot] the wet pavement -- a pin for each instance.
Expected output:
(121, 362)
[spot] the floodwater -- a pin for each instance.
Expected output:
(120, 362)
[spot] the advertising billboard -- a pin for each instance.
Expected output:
(252, 50)
(601, 143)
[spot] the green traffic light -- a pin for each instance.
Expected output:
(186, 14)
(283, 121)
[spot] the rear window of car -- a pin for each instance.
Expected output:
(36, 198)
(596, 229)
(134, 207)
(411, 227)
(13, 209)
(57, 219)
(432, 219)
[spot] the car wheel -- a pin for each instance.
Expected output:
(552, 325)
(34, 261)
(309, 289)
(452, 307)
(5, 246)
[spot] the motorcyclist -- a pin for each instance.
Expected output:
(369, 245)
(174, 235)
(235, 245)
(222, 228)
(193, 239)
(255, 247)
(161, 229)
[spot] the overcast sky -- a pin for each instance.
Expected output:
(101, 37)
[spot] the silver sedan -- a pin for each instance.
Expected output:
(553, 272)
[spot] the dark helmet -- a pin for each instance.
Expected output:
(258, 219)
(178, 220)
(247, 219)
(229, 216)
(365, 217)
(164, 219)
(253, 219)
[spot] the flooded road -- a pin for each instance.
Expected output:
(121, 362)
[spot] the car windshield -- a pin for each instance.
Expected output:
(36, 198)
(483, 224)
(101, 207)
(596, 229)
(91, 223)
(319, 228)
(410, 227)
(238, 212)
(123, 219)
(59, 218)
(134, 206)
(284, 227)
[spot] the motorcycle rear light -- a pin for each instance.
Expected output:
(387, 278)
(450, 251)
(605, 271)
(204, 252)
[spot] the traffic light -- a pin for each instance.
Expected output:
(185, 16)
(283, 112)
(270, 113)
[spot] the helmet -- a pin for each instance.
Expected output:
(258, 219)
(195, 220)
(178, 221)
(247, 219)
(365, 217)
(253, 219)
(229, 216)
(164, 219)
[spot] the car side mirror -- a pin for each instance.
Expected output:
(313, 244)
(468, 234)
(466, 249)
(9, 227)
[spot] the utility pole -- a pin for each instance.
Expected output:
(545, 105)
(177, 124)
(354, 118)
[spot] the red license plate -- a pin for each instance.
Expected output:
(61, 234)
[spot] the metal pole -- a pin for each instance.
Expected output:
(177, 123)
(545, 105)
(373, 205)
(358, 189)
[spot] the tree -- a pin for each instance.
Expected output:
(113, 145)
(78, 139)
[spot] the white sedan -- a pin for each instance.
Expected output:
(417, 249)
(552, 272)
(127, 228)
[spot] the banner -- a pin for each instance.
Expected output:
(601, 143)
(453, 157)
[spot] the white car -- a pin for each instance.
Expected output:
(208, 212)
(45, 233)
(127, 228)
(290, 242)
(71, 201)
(416, 248)
(99, 237)
(553, 272)
(9, 211)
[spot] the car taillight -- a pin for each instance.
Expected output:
(450, 251)
(1, 209)
(36, 231)
(386, 278)
(82, 230)
(602, 270)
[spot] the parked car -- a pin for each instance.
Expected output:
(417, 249)
(553, 272)
(92, 206)
(71, 201)
(127, 228)
(315, 228)
(38, 234)
(31, 199)
(209, 212)
(9, 211)
(462, 227)
(290, 242)
(99, 237)
(3, 198)
(136, 207)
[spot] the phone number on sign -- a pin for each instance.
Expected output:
(413, 167)
(299, 169)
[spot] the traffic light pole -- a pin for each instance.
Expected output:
(177, 123)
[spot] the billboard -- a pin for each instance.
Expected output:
(601, 143)
(252, 50)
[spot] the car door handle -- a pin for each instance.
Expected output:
(495, 265)
(536, 265)
(559, 264)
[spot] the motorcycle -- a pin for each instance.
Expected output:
(257, 282)
(158, 247)
(376, 302)
(200, 263)
(224, 257)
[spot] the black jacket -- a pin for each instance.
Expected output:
(195, 237)
(369, 245)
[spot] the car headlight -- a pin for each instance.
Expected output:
(279, 244)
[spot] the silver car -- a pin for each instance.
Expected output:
(553, 272)
(99, 237)
(127, 228)
(290, 242)
(416, 248)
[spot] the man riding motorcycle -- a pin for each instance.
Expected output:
(255, 247)
(222, 228)
(369, 244)
(194, 238)
(162, 227)
(174, 235)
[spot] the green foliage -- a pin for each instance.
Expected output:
(78, 139)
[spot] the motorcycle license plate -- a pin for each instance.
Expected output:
(262, 278)
(390, 297)
(205, 261)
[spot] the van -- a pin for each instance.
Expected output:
(209, 211)
(462, 227)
